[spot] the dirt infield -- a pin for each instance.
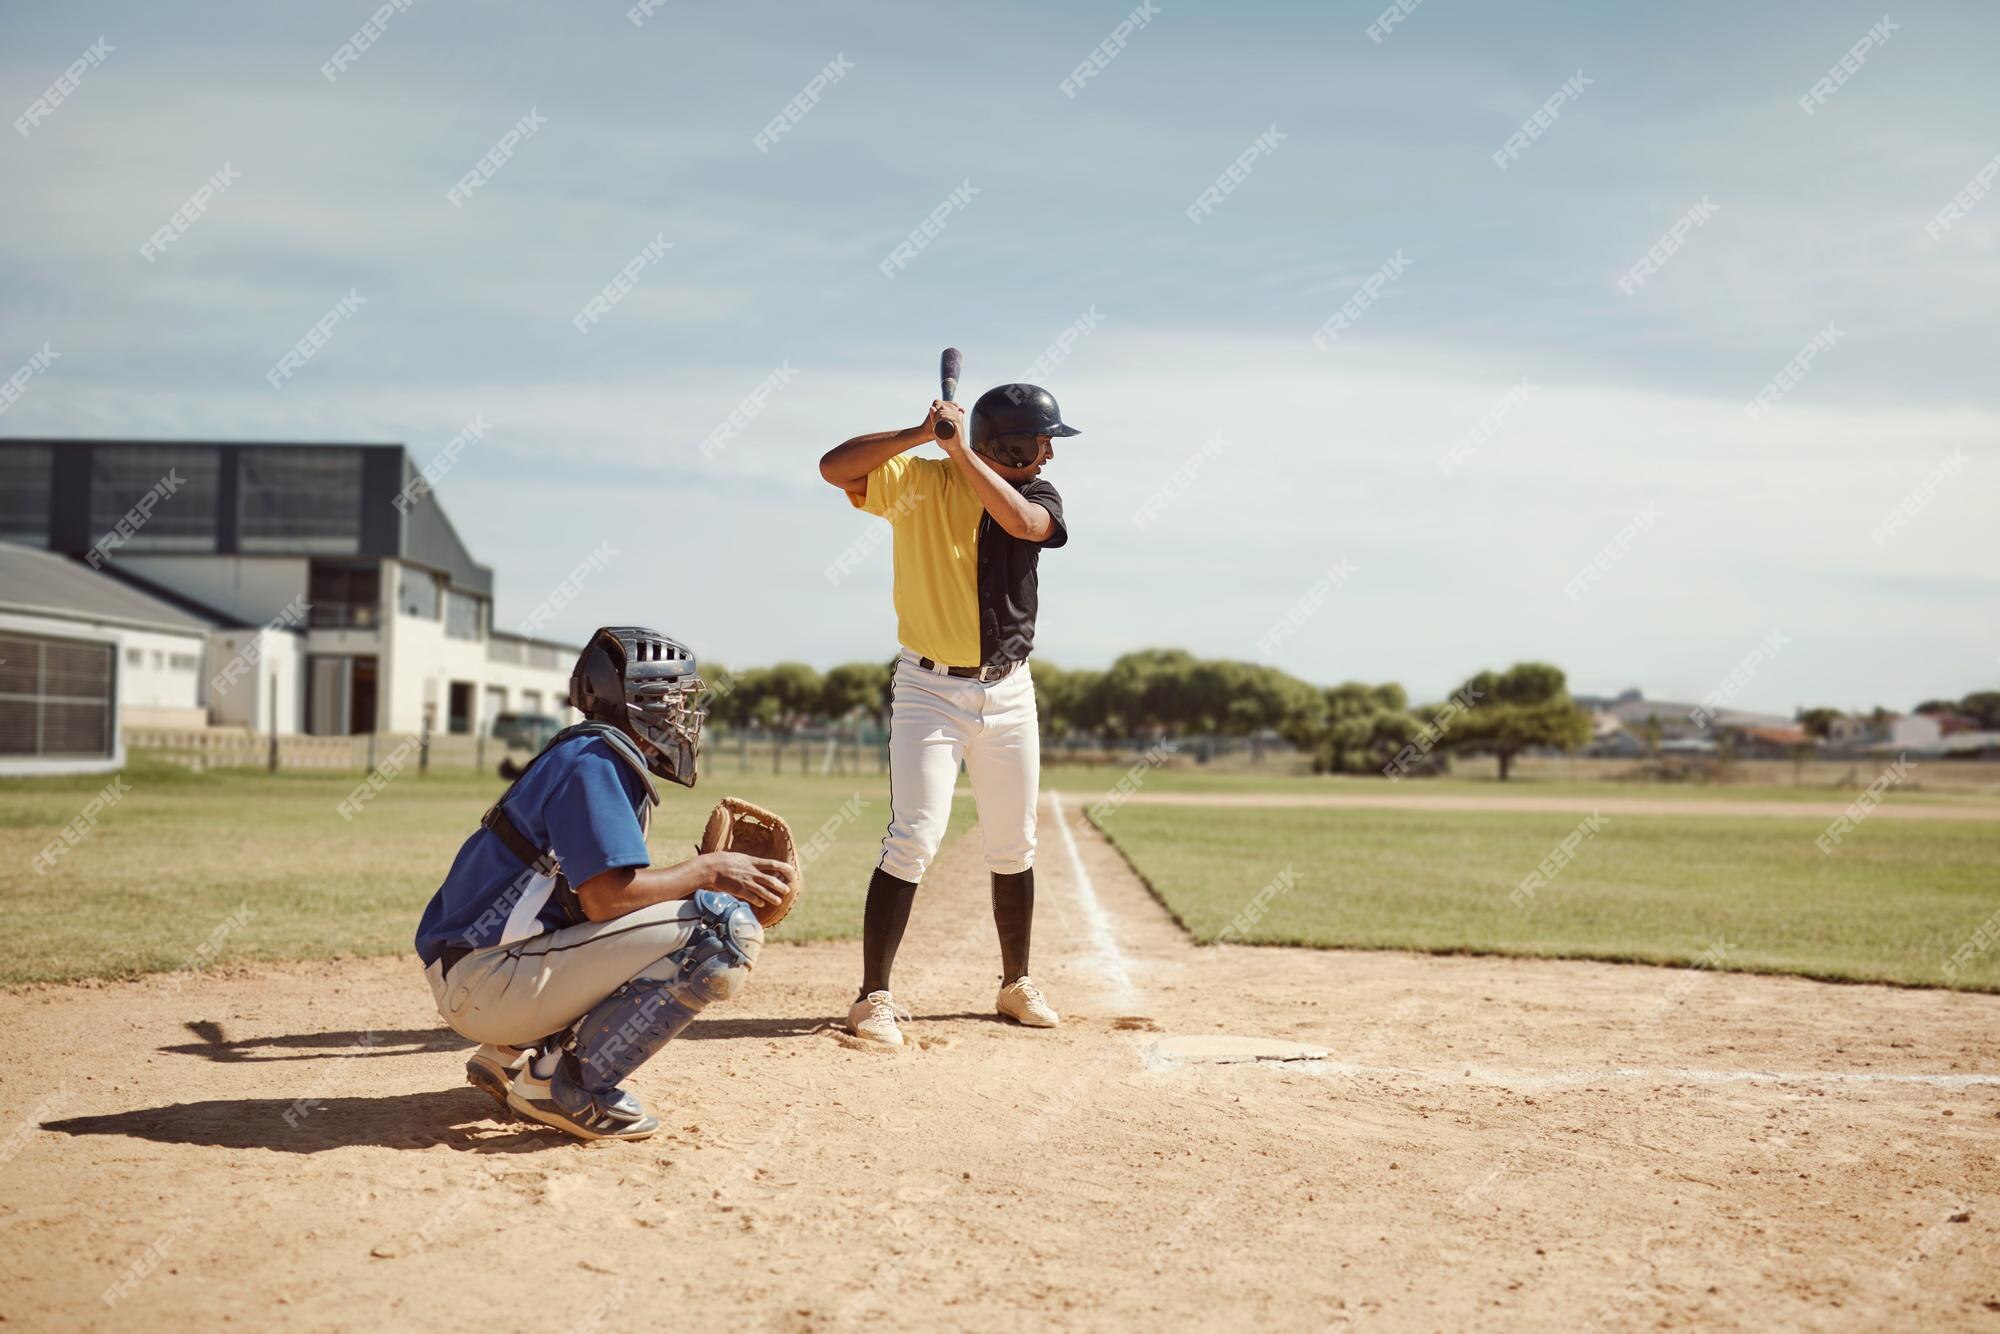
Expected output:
(1489, 1142)
(1542, 804)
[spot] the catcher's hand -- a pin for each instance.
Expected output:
(761, 882)
(765, 841)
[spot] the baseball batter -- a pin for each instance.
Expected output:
(554, 943)
(969, 530)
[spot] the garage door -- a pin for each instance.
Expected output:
(55, 697)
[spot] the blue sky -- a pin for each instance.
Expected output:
(1202, 331)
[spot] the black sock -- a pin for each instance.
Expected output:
(882, 924)
(1014, 919)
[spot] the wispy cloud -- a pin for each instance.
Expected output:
(1082, 204)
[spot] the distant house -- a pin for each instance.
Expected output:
(1610, 738)
(1972, 744)
(1951, 723)
(1895, 731)
(329, 591)
(1766, 743)
(1684, 726)
(1914, 732)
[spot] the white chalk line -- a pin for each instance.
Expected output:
(1109, 960)
(1653, 1075)
(1106, 957)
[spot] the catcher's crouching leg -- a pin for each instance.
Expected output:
(635, 1021)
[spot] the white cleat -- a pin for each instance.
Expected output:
(873, 1019)
(1023, 1002)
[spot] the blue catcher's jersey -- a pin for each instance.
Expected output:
(582, 800)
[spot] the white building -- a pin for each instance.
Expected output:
(1895, 731)
(81, 654)
(331, 591)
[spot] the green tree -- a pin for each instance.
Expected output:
(1150, 690)
(1082, 702)
(1353, 727)
(1260, 698)
(1983, 707)
(854, 687)
(722, 703)
(1524, 707)
(1067, 702)
(783, 696)
(1818, 722)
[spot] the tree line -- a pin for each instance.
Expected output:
(1160, 694)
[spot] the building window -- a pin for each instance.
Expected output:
(163, 494)
(55, 697)
(24, 494)
(458, 718)
(419, 594)
(135, 657)
(300, 499)
(462, 614)
(184, 662)
(344, 594)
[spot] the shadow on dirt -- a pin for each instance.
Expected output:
(460, 1118)
(214, 1046)
(315, 1046)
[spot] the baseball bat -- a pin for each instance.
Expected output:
(948, 368)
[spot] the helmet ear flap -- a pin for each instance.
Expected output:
(597, 685)
(1011, 451)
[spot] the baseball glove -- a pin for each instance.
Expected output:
(737, 826)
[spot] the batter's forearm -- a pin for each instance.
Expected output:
(1014, 512)
(849, 463)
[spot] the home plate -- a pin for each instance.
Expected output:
(1218, 1049)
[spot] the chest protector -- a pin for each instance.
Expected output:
(541, 859)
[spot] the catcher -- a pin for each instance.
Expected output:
(556, 944)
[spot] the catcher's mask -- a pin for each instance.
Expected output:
(1009, 421)
(644, 683)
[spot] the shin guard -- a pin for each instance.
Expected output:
(635, 1021)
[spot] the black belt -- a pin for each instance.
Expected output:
(450, 955)
(984, 675)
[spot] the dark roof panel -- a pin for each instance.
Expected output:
(416, 530)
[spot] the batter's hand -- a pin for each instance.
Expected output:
(946, 411)
(755, 880)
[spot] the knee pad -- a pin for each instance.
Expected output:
(718, 957)
(627, 1027)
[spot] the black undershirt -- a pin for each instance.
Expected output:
(1008, 598)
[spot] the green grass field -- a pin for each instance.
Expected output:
(1085, 780)
(1891, 905)
(173, 859)
(168, 865)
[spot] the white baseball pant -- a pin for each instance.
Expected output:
(937, 720)
(521, 992)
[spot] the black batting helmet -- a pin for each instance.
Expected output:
(1007, 421)
(643, 683)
